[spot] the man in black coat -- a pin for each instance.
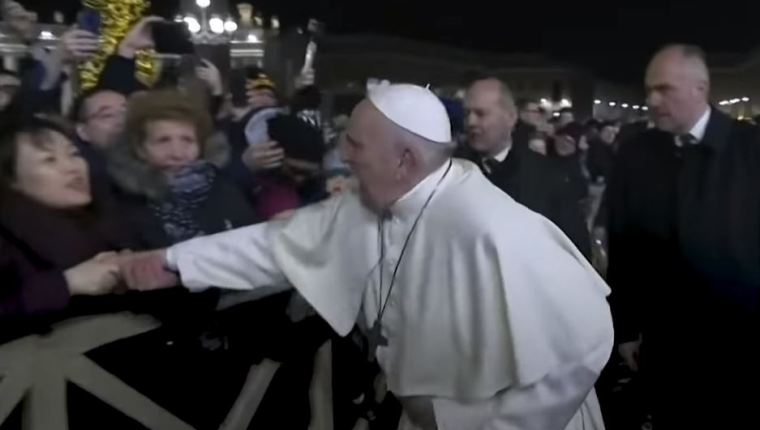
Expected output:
(684, 237)
(526, 176)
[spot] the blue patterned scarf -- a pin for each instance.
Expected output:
(188, 190)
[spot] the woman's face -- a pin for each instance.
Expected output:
(170, 145)
(51, 171)
(564, 146)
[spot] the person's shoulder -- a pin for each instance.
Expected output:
(470, 196)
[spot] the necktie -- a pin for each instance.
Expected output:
(687, 139)
(490, 165)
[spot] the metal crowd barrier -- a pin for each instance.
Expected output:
(36, 369)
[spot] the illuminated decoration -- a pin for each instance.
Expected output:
(192, 24)
(117, 18)
(216, 25)
(230, 26)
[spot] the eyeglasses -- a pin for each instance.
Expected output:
(106, 115)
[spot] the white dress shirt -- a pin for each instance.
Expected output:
(500, 157)
(699, 129)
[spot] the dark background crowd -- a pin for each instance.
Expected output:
(130, 167)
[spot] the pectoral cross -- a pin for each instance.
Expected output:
(376, 339)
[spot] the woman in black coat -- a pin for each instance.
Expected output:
(570, 187)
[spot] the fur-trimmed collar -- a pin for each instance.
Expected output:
(134, 176)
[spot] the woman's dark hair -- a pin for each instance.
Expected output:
(11, 128)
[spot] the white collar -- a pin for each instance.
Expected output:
(700, 128)
(410, 204)
(501, 156)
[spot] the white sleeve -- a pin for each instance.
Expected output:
(564, 399)
(239, 259)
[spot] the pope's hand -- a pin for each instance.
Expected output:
(147, 271)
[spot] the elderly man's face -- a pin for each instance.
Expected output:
(368, 146)
(489, 120)
(675, 93)
(103, 118)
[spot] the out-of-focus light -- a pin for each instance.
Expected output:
(555, 114)
(252, 38)
(624, 105)
(597, 102)
(216, 25)
(275, 23)
(723, 103)
(46, 35)
(612, 104)
(735, 101)
(565, 103)
(203, 3)
(230, 26)
(636, 107)
(644, 108)
(544, 101)
(745, 99)
(192, 24)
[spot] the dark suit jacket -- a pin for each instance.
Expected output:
(543, 185)
(684, 269)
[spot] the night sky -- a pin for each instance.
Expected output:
(614, 38)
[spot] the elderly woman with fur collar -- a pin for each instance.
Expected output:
(167, 163)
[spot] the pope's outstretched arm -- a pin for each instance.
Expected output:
(239, 259)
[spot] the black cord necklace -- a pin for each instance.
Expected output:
(375, 335)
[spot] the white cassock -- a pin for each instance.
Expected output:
(496, 321)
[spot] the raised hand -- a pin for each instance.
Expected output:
(147, 271)
(210, 75)
(265, 156)
(139, 38)
(78, 44)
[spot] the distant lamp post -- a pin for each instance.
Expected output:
(230, 26)
(216, 24)
(192, 24)
(211, 30)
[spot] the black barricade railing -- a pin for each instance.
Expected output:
(36, 369)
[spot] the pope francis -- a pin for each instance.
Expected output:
(481, 313)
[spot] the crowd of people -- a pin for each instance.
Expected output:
(129, 168)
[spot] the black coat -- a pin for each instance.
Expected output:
(568, 201)
(684, 239)
(225, 208)
(543, 185)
